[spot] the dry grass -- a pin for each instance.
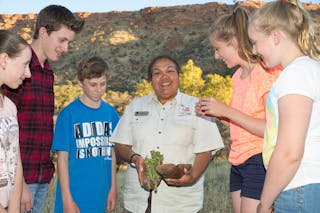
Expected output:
(216, 198)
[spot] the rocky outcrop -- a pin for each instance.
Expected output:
(129, 40)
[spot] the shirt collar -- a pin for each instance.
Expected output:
(35, 61)
(176, 99)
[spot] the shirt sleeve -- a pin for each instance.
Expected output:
(296, 81)
(206, 136)
(264, 81)
(122, 132)
(13, 94)
(62, 133)
(115, 118)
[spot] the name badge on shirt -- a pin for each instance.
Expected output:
(141, 113)
(184, 110)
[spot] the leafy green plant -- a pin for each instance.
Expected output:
(152, 178)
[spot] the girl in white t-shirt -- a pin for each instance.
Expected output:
(282, 33)
(15, 56)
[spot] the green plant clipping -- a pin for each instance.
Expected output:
(152, 178)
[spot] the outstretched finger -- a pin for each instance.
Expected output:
(22, 208)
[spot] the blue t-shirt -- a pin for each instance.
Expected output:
(84, 133)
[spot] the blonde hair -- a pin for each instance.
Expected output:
(235, 25)
(291, 17)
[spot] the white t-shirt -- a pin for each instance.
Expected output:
(175, 131)
(9, 149)
(301, 77)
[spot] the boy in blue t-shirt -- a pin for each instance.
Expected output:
(86, 159)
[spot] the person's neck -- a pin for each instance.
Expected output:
(290, 56)
(288, 52)
(89, 103)
(37, 48)
(247, 68)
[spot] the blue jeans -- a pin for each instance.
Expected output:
(303, 199)
(39, 195)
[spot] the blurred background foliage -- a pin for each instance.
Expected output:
(192, 82)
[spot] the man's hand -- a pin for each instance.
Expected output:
(186, 180)
(138, 161)
(26, 198)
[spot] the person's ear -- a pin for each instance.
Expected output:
(234, 43)
(3, 60)
(43, 32)
(276, 36)
(80, 83)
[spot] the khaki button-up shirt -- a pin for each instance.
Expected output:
(175, 131)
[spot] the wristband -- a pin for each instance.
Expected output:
(131, 156)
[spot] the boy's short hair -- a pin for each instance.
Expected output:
(53, 17)
(92, 67)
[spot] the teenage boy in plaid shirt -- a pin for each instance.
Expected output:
(55, 28)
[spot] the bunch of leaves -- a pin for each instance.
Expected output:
(64, 94)
(142, 88)
(191, 81)
(218, 87)
(152, 178)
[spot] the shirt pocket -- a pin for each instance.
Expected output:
(140, 126)
(181, 130)
(185, 121)
(179, 141)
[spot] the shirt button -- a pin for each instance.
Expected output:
(159, 132)
(162, 119)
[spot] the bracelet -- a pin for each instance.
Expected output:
(131, 157)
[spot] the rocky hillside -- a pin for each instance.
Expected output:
(129, 40)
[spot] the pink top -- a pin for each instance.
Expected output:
(9, 149)
(248, 97)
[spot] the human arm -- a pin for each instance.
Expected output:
(15, 198)
(125, 152)
(294, 117)
(200, 164)
(200, 112)
(69, 206)
(26, 197)
(51, 183)
(214, 107)
(112, 196)
(2, 210)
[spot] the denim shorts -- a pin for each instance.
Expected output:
(303, 199)
(248, 177)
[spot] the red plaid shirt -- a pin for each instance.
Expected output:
(35, 103)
